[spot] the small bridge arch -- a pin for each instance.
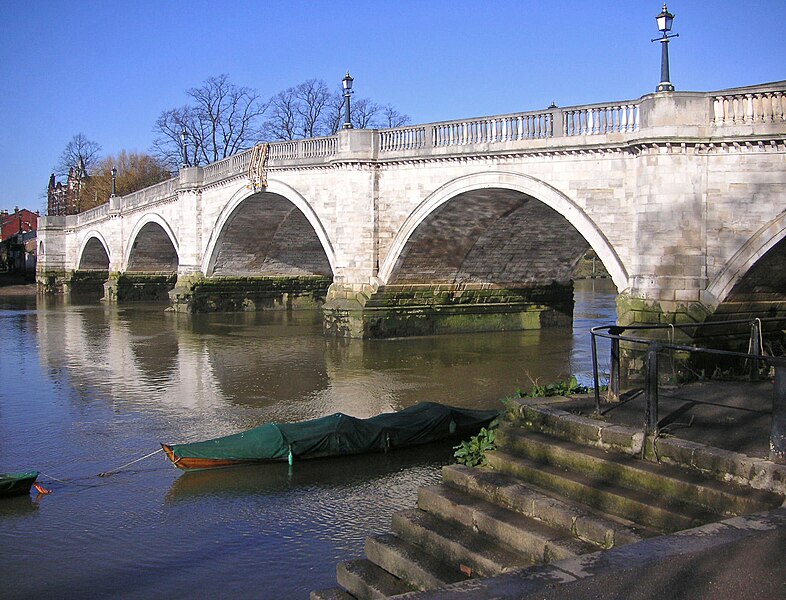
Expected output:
(94, 253)
(757, 265)
(271, 231)
(153, 247)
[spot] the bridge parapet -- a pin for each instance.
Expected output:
(740, 111)
(759, 104)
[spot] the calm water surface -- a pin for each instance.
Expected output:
(88, 388)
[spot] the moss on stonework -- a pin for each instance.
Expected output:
(196, 294)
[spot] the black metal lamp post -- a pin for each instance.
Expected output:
(664, 20)
(184, 146)
(347, 84)
(114, 182)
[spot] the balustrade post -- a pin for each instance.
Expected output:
(778, 431)
(428, 137)
(557, 123)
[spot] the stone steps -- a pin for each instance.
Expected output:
(557, 487)
(460, 548)
(533, 539)
(659, 513)
(410, 563)
(601, 530)
(663, 481)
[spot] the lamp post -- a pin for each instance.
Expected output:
(664, 20)
(184, 146)
(114, 182)
(347, 84)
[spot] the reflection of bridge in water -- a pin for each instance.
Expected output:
(206, 369)
(465, 225)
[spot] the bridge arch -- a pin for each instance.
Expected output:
(94, 252)
(769, 242)
(153, 246)
(504, 180)
(285, 212)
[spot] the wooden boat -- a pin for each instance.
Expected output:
(334, 435)
(16, 484)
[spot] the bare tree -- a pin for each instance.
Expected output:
(222, 120)
(392, 118)
(364, 114)
(225, 119)
(283, 121)
(314, 98)
(80, 152)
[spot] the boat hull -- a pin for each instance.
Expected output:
(331, 436)
(16, 484)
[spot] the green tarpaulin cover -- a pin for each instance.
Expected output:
(340, 434)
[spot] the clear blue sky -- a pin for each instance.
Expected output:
(108, 69)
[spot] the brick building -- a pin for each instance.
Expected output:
(18, 241)
(63, 199)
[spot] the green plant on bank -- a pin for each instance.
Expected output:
(558, 388)
(472, 452)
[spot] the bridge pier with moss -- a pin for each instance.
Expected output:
(422, 309)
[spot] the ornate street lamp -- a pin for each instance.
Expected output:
(347, 84)
(184, 146)
(664, 20)
(114, 182)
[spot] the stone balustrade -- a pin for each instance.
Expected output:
(749, 107)
(762, 104)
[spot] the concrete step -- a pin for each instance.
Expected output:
(552, 420)
(331, 594)
(366, 581)
(458, 547)
(505, 490)
(538, 542)
(665, 481)
(410, 563)
(663, 514)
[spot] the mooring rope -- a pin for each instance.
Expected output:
(64, 482)
(113, 471)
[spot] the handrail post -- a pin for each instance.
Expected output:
(651, 389)
(595, 379)
(614, 375)
(755, 349)
(778, 431)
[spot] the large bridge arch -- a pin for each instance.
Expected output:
(153, 246)
(286, 213)
(527, 186)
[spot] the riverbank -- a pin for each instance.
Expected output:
(12, 284)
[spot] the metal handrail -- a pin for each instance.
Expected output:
(614, 333)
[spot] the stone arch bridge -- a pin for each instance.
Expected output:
(464, 225)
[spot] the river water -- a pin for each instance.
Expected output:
(87, 388)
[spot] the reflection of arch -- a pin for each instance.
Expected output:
(163, 253)
(764, 240)
(94, 252)
(274, 187)
(509, 181)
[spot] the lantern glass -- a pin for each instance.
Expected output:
(347, 81)
(664, 20)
